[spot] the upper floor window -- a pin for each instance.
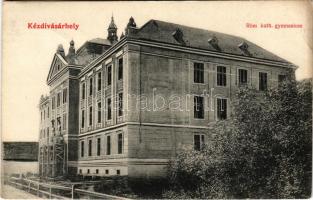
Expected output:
(198, 107)
(48, 114)
(99, 112)
(198, 72)
(221, 108)
(198, 140)
(99, 78)
(109, 75)
(64, 121)
(64, 95)
(53, 103)
(221, 76)
(109, 114)
(243, 76)
(83, 91)
(120, 104)
(58, 99)
(120, 143)
(262, 81)
(82, 148)
(120, 69)
(90, 86)
(90, 115)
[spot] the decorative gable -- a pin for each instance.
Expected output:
(57, 65)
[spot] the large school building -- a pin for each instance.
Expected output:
(125, 106)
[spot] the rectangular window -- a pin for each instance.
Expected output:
(198, 142)
(221, 109)
(221, 76)
(108, 145)
(198, 72)
(80, 171)
(59, 123)
(109, 115)
(90, 115)
(118, 172)
(53, 103)
(44, 114)
(90, 86)
(198, 107)
(48, 114)
(83, 119)
(88, 171)
(90, 148)
(98, 146)
(64, 121)
(64, 95)
(83, 91)
(106, 171)
(99, 112)
(281, 78)
(97, 171)
(243, 76)
(262, 81)
(120, 104)
(120, 69)
(58, 99)
(82, 148)
(109, 75)
(120, 143)
(99, 81)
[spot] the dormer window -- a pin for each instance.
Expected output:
(213, 41)
(244, 48)
(178, 35)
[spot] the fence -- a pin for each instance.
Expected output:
(53, 191)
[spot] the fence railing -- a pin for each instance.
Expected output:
(54, 191)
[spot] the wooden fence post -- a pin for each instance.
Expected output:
(73, 190)
(38, 189)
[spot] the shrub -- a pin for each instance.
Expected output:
(263, 150)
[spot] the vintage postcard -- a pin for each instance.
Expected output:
(156, 100)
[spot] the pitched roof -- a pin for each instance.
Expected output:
(100, 41)
(160, 31)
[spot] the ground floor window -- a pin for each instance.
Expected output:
(221, 109)
(120, 143)
(198, 141)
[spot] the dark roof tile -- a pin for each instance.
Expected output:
(160, 31)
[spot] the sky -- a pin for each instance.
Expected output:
(27, 53)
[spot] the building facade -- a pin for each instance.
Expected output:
(127, 106)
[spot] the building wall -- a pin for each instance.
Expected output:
(107, 159)
(167, 76)
(153, 136)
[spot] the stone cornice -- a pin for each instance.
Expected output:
(127, 40)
